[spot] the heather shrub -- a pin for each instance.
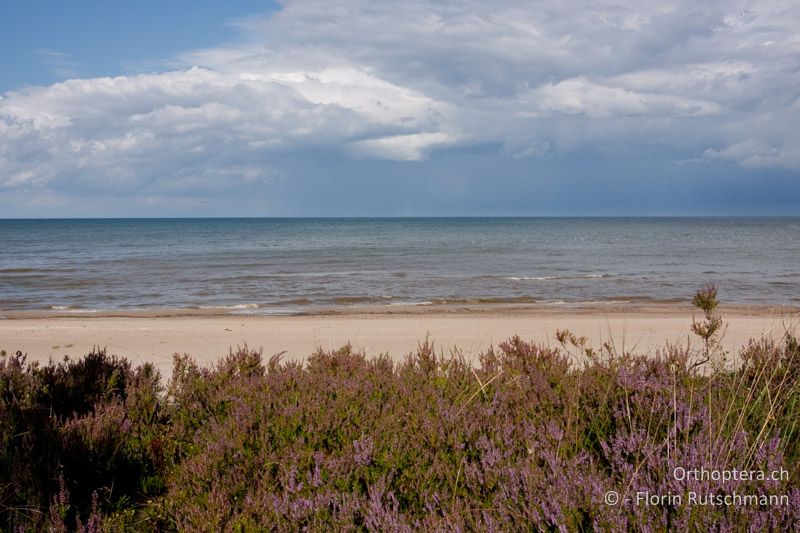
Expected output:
(71, 433)
(74, 387)
(524, 438)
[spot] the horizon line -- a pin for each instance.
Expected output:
(401, 217)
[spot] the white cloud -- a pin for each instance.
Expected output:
(755, 154)
(601, 101)
(401, 81)
(402, 147)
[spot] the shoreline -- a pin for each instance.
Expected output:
(154, 336)
(455, 307)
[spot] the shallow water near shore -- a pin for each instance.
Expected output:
(276, 266)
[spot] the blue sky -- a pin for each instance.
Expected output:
(356, 108)
(46, 41)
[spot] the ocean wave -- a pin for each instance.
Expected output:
(237, 306)
(550, 278)
(72, 309)
(495, 300)
(265, 312)
(350, 300)
(28, 270)
(294, 301)
(587, 302)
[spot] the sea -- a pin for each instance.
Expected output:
(298, 265)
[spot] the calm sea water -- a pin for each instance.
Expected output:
(291, 265)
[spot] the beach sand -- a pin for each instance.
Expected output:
(207, 335)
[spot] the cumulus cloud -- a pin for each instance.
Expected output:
(406, 80)
(756, 154)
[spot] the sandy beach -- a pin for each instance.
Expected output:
(208, 334)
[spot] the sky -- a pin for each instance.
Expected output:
(399, 108)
